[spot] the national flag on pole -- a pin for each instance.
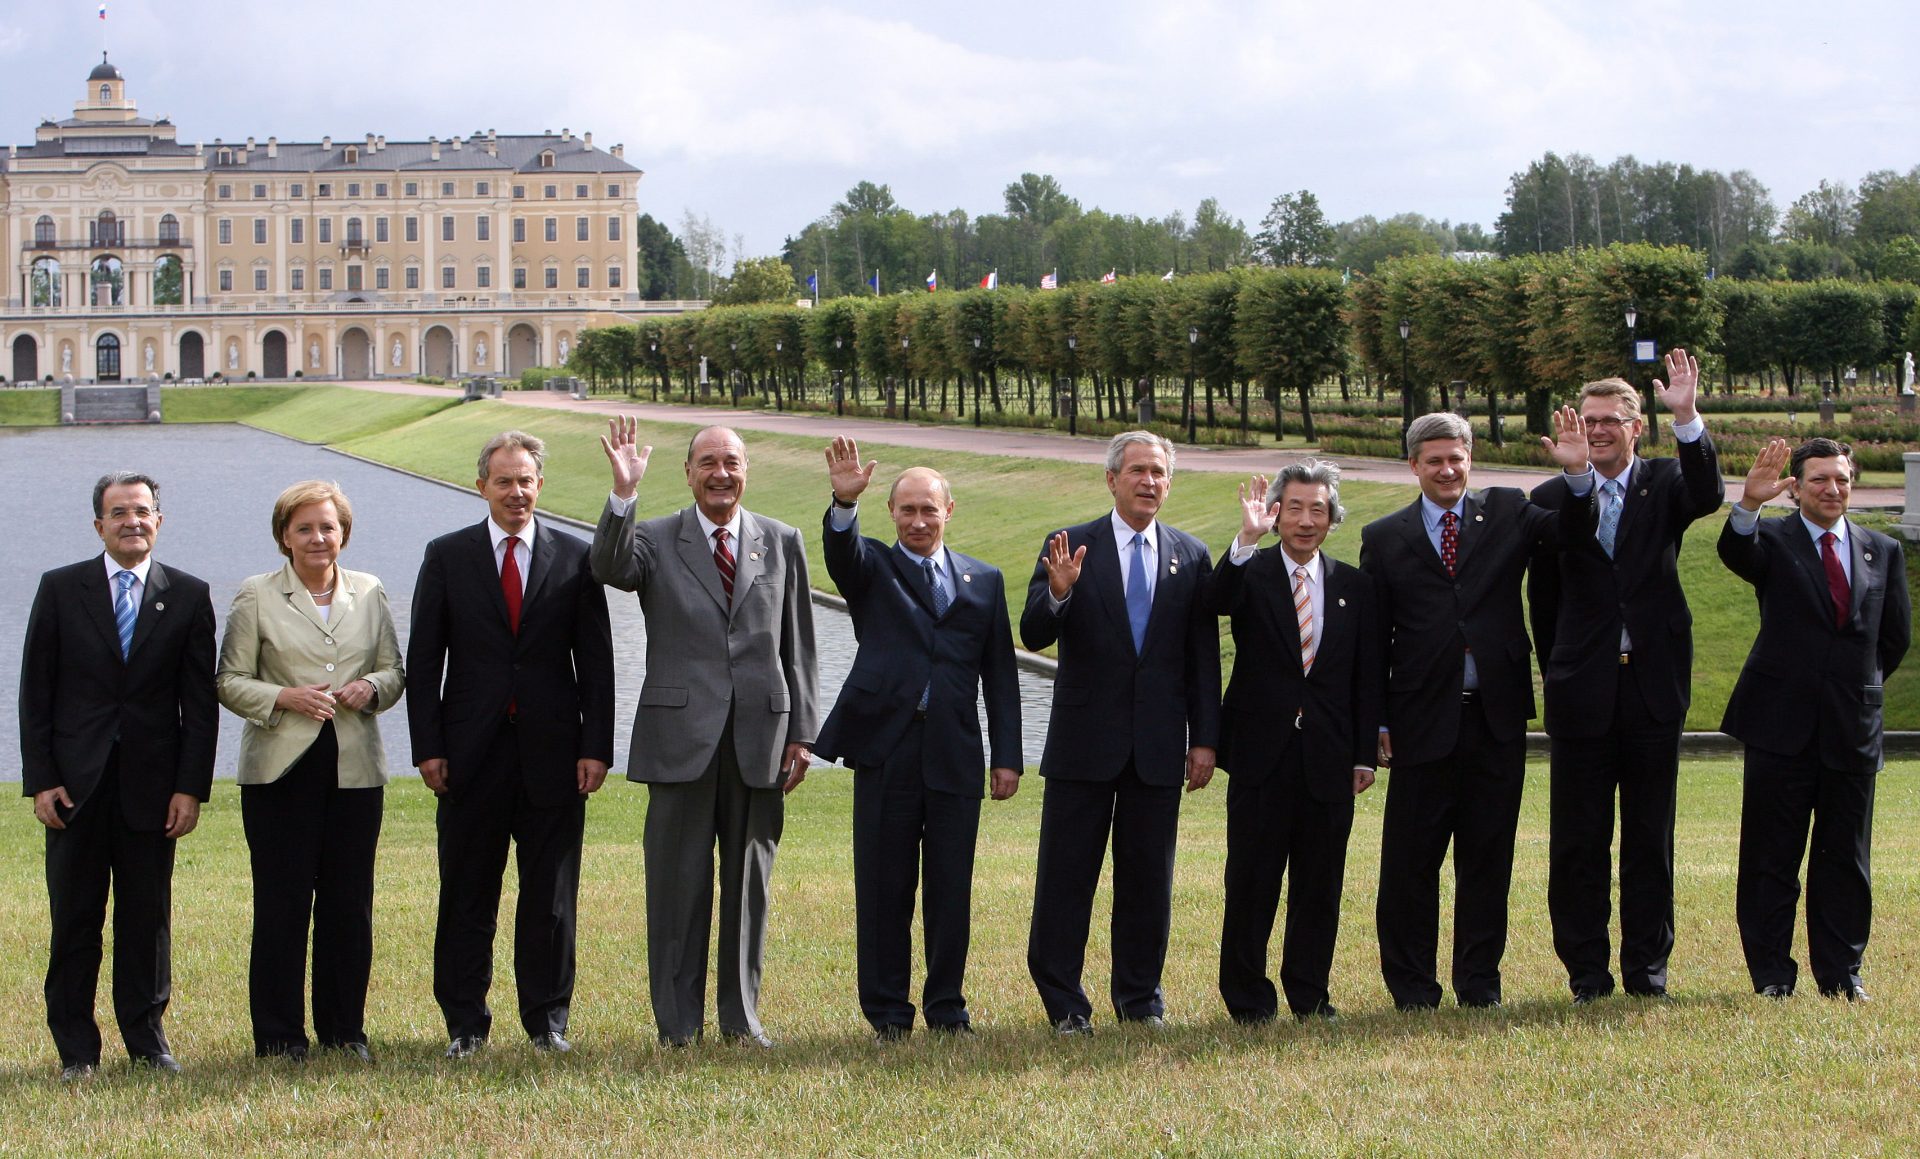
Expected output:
(1111, 276)
(874, 281)
(1050, 281)
(991, 281)
(103, 12)
(1167, 277)
(813, 283)
(933, 281)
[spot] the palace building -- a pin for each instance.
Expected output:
(140, 257)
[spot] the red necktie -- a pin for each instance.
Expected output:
(723, 559)
(1836, 581)
(510, 584)
(1449, 540)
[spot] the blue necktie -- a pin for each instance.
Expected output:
(1609, 514)
(1139, 599)
(940, 605)
(125, 612)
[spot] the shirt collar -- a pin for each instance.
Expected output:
(1839, 530)
(1123, 533)
(495, 533)
(1623, 477)
(139, 570)
(1431, 512)
(1316, 567)
(708, 526)
(939, 557)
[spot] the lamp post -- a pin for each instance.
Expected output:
(776, 374)
(1193, 346)
(1632, 316)
(733, 372)
(906, 384)
(692, 365)
(976, 380)
(1406, 389)
(839, 381)
(1073, 388)
(653, 364)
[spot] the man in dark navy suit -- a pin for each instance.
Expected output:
(1834, 624)
(1298, 732)
(1136, 715)
(1459, 695)
(933, 631)
(1616, 641)
(117, 729)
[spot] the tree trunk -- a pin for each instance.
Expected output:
(1306, 413)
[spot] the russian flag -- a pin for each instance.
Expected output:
(933, 281)
(1111, 277)
(991, 281)
(103, 12)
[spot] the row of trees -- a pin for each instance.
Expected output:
(1527, 328)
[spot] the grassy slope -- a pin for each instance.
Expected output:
(1714, 1072)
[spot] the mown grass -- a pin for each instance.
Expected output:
(29, 407)
(1716, 1072)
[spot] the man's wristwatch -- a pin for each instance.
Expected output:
(843, 505)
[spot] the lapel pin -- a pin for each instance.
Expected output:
(1868, 556)
(1343, 602)
(1479, 519)
(753, 555)
(1173, 567)
(160, 607)
(1643, 492)
(967, 577)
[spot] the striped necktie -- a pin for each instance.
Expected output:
(1609, 514)
(1303, 610)
(125, 611)
(723, 559)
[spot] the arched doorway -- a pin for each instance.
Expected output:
(106, 359)
(523, 349)
(193, 356)
(26, 359)
(107, 282)
(356, 354)
(273, 355)
(439, 360)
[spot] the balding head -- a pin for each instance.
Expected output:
(717, 472)
(920, 502)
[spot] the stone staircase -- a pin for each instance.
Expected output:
(109, 404)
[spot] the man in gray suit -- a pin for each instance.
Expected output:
(726, 719)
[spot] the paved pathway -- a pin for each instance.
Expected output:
(1016, 443)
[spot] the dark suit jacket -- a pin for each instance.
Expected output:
(1110, 704)
(1338, 705)
(1805, 677)
(1434, 619)
(78, 698)
(1578, 598)
(903, 646)
(558, 671)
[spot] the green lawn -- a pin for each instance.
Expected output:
(1716, 1072)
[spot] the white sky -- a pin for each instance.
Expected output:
(760, 114)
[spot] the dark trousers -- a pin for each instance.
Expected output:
(311, 844)
(1276, 828)
(899, 827)
(1471, 798)
(1075, 818)
(486, 811)
(97, 853)
(1640, 758)
(684, 824)
(1779, 796)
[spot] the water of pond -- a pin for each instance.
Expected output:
(218, 484)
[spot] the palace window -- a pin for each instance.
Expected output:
(413, 189)
(580, 192)
(412, 232)
(326, 278)
(446, 277)
(520, 277)
(299, 281)
(225, 231)
(483, 277)
(223, 192)
(380, 233)
(582, 229)
(553, 229)
(483, 189)
(259, 192)
(169, 229)
(226, 280)
(413, 277)
(553, 278)
(326, 231)
(519, 228)
(446, 229)
(260, 281)
(583, 277)
(613, 277)
(519, 192)
(446, 189)
(299, 228)
(379, 189)
(297, 189)
(613, 229)
(613, 190)
(353, 189)
(43, 233)
(484, 227)
(380, 277)
(259, 231)
(324, 189)
(550, 191)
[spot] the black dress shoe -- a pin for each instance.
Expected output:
(357, 1051)
(1479, 1004)
(1153, 1022)
(1852, 993)
(75, 1072)
(1778, 992)
(1655, 994)
(1325, 1012)
(552, 1042)
(893, 1032)
(1252, 1017)
(1585, 997)
(757, 1039)
(1074, 1026)
(1416, 1007)
(672, 1043)
(466, 1045)
(290, 1051)
(952, 1029)
(162, 1062)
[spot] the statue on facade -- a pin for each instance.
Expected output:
(233, 354)
(66, 359)
(398, 355)
(313, 355)
(1906, 374)
(149, 354)
(480, 351)
(563, 350)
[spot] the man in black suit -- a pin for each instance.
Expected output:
(1459, 695)
(1136, 714)
(933, 631)
(118, 721)
(1834, 624)
(512, 742)
(1298, 733)
(1616, 640)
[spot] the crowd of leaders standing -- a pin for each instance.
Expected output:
(1419, 658)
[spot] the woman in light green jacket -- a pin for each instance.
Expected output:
(310, 655)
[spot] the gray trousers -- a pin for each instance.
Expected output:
(684, 823)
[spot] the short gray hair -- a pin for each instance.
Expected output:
(1314, 472)
(1438, 425)
(1117, 449)
(520, 440)
(116, 479)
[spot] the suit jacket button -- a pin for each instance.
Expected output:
(329, 639)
